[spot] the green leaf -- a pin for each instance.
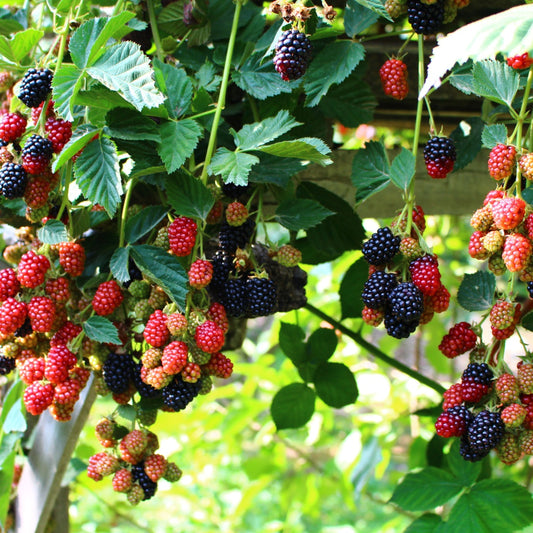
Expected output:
(127, 412)
(507, 32)
(293, 406)
(131, 125)
(527, 321)
(402, 169)
(119, 264)
(377, 7)
(465, 472)
(233, 167)
(188, 196)
(140, 224)
(494, 134)
(207, 77)
(67, 82)
(80, 138)
(14, 50)
(176, 86)
(13, 395)
(252, 136)
(306, 148)
(98, 174)
(164, 270)
(476, 292)
(291, 341)
(527, 195)
(7, 468)
(335, 385)
(321, 76)
(358, 18)
(321, 345)
(99, 97)
(496, 81)
(491, 506)
(370, 171)
(467, 139)
(88, 41)
(178, 141)
(15, 420)
(125, 69)
(425, 490)
(351, 288)
(300, 213)
(276, 170)
(427, 523)
(53, 232)
(101, 329)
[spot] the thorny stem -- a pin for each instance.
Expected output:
(222, 94)
(376, 352)
(155, 31)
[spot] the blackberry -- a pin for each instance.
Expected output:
(260, 296)
(377, 289)
(530, 288)
(148, 486)
(439, 156)
(485, 431)
(37, 146)
(397, 328)
(25, 329)
(222, 267)
(406, 302)
(231, 237)
(35, 86)
(381, 247)
(425, 19)
(478, 373)
(118, 372)
(234, 192)
(178, 394)
(467, 453)
(7, 365)
(134, 272)
(462, 415)
(13, 180)
(234, 299)
(293, 53)
(144, 389)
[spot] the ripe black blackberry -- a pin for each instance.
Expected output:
(13, 180)
(377, 289)
(118, 372)
(35, 86)
(234, 192)
(467, 453)
(231, 237)
(293, 53)
(485, 431)
(134, 272)
(425, 19)
(260, 296)
(530, 288)
(397, 328)
(222, 263)
(381, 247)
(148, 486)
(7, 365)
(462, 416)
(25, 329)
(144, 389)
(234, 299)
(178, 394)
(439, 156)
(37, 146)
(406, 302)
(478, 373)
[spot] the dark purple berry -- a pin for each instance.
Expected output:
(293, 53)
(439, 156)
(381, 247)
(35, 86)
(377, 289)
(425, 19)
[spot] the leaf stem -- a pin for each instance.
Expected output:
(520, 124)
(222, 94)
(124, 215)
(376, 352)
(155, 30)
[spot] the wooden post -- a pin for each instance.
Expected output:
(40, 483)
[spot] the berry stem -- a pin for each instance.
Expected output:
(222, 94)
(124, 214)
(67, 173)
(376, 352)
(155, 30)
(522, 114)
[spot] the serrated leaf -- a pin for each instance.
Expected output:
(53, 232)
(527, 321)
(427, 523)
(98, 174)
(491, 506)
(80, 138)
(119, 263)
(188, 196)
(476, 292)
(15, 420)
(335, 385)
(509, 32)
(101, 329)
(67, 82)
(101, 98)
(293, 406)
(164, 270)
(276, 170)
(131, 125)
(425, 490)
(306, 148)
(320, 76)
(321, 345)
(351, 286)
(128, 412)
(496, 81)
(300, 213)
(358, 18)
(466, 472)
(178, 141)
(176, 85)
(88, 41)
(233, 167)
(494, 134)
(125, 69)
(13, 395)
(402, 170)
(370, 171)
(207, 77)
(140, 224)
(252, 136)
(291, 341)
(14, 50)
(467, 139)
(377, 6)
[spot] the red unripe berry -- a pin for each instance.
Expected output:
(32, 269)
(38, 396)
(12, 316)
(12, 127)
(209, 337)
(107, 298)
(393, 74)
(182, 236)
(9, 284)
(520, 61)
(72, 258)
(502, 161)
(200, 273)
(42, 313)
